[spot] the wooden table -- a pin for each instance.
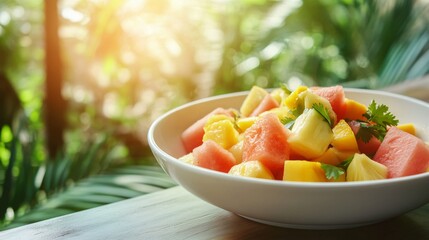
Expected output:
(176, 214)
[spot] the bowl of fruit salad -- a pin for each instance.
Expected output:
(311, 157)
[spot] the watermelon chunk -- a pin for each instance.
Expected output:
(213, 156)
(192, 137)
(370, 147)
(267, 103)
(336, 97)
(266, 141)
(402, 153)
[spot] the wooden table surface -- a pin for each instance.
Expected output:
(176, 214)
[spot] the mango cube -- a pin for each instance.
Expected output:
(354, 110)
(408, 127)
(344, 139)
(329, 157)
(303, 171)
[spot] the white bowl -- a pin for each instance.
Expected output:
(293, 204)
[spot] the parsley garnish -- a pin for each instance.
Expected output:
(332, 172)
(323, 111)
(378, 119)
(345, 164)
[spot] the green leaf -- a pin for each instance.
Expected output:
(378, 120)
(322, 111)
(345, 164)
(285, 88)
(288, 122)
(332, 172)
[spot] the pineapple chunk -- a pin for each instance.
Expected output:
(245, 123)
(344, 138)
(188, 158)
(279, 95)
(255, 96)
(311, 135)
(292, 101)
(220, 128)
(363, 168)
(309, 99)
(281, 112)
(237, 151)
(303, 171)
(253, 169)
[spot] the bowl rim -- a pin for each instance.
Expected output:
(325, 185)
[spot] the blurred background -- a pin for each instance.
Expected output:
(74, 115)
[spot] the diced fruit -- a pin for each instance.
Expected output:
(220, 128)
(252, 100)
(291, 101)
(309, 99)
(266, 104)
(402, 153)
(188, 158)
(253, 169)
(192, 137)
(245, 123)
(343, 155)
(370, 147)
(237, 151)
(311, 135)
(212, 156)
(266, 141)
(335, 96)
(329, 157)
(281, 112)
(303, 171)
(278, 94)
(344, 139)
(354, 110)
(362, 168)
(408, 127)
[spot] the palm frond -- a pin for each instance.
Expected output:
(115, 185)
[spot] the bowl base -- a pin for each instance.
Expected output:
(311, 226)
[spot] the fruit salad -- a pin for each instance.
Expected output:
(310, 134)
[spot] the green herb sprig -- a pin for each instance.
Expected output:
(322, 110)
(378, 120)
(334, 172)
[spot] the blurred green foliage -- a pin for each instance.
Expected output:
(127, 62)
